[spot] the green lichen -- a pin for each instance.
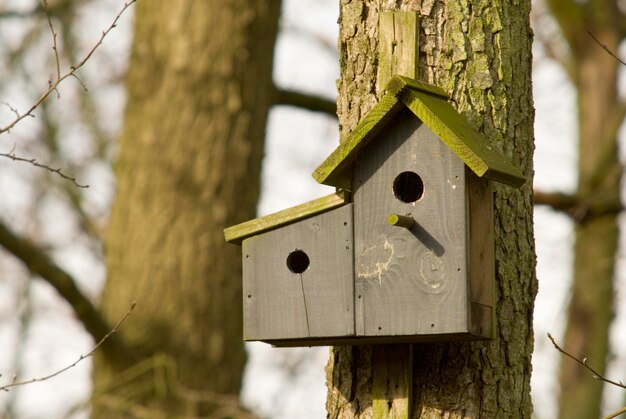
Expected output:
(237, 233)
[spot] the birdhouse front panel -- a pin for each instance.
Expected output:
(411, 234)
(298, 280)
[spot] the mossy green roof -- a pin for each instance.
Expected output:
(430, 105)
(237, 233)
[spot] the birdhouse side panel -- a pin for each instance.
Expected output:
(481, 252)
(410, 280)
(298, 279)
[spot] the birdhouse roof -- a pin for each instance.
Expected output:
(431, 106)
(237, 233)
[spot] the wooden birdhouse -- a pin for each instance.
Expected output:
(406, 255)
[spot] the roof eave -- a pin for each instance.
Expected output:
(332, 170)
(467, 143)
(237, 233)
(429, 104)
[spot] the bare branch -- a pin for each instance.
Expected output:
(305, 101)
(71, 73)
(595, 374)
(615, 414)
(11, 108)
(54, 41)
(578, 208)
(556, 200)
(602, 45)
(11, 155)
(585, 364)
(40, 264)
(82, 84)
(163, 366)
(80, 358)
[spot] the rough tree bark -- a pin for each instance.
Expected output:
(199, 88)
(479, 52)
(594, 74)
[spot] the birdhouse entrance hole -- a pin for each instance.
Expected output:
(408, 187)
(298, 261)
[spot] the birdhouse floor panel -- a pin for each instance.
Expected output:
(373, 340)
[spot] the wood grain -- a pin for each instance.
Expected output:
(481, 255)
(236, 234)
(280, 304)
(410, 282)
(467, 143)
(392, 381)
(430, 104)
(398, 46)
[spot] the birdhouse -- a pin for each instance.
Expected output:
(403, 252)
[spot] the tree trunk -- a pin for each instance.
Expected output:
(593, 72)
(480, 54)
(199, 88)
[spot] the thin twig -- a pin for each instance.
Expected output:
(11, 155)
(615, 414)
(54, 41)
(39, 263)
(8, 105)
(603, 46)
(71, 73)
(80, 358)
(584, 363)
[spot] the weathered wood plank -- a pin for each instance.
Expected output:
(481, 255)
(334, 170)
(237, 233)
(399, 84)
(410, 281)
(398, 46)
(430, 105)
(461, 138)
(392, 381)
(298, 280)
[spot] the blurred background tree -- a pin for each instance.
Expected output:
(229, 81)
(582, 38)
(199, 88)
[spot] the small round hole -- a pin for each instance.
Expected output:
(408, 187)
(297, 261)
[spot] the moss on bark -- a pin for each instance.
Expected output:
(480, 54)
